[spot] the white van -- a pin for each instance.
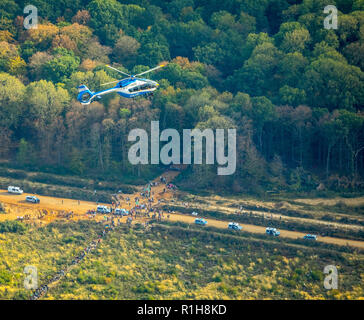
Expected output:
(103, 209)
(15, 190)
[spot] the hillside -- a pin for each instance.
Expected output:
(182, 150)
(138, 264)
(291, 88)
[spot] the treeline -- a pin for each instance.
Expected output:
(293, 90)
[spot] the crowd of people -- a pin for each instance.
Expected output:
(139, 210)
(25, 217)
(42, 290)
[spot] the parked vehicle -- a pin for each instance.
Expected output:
(32, 199)
(121, 212)
(272, 232)
(310, 237)
(103, 209)
(234, 226)
(15, 190)
(200, 221)
(194, 213)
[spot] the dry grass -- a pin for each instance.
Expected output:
(353, 202)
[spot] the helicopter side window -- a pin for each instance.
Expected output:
(145, 86)
(134, 89)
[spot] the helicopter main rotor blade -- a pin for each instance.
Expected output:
(105, 84)
(118, 70)
(150, 70)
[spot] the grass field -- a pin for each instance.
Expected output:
(173, 263)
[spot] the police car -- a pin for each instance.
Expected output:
(310, 237)
(121, 212)
(32, 199)
(272, 232)
(103, 209)
(200, 221)
(234, 226)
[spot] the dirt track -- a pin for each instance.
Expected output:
(54, 205)
(261, 230)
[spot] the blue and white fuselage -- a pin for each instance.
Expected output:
(128, 88)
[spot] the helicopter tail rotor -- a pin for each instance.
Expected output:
(85, 95)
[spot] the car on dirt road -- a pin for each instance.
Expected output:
(272, 231)
(200, 221)
(103, 209)
(121, 212)
(15, 190)
(310, 237)
(194, 213)
(234, 226)
(32, 199)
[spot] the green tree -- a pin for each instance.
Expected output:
(25, 155)
(44, 105)
(258, 75)
(260, 111)
(292, 96)
(353, 125)
(11, 97)
(296, 40)
(333, 84)
(126, 50)
(291, 67)
(61, 66)
(76, 163)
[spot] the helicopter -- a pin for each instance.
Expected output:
(129, 87)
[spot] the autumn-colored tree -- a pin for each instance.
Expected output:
(43, 35)
(5, 35)
(36, 64)
(82, 17)
(8, 52)
(98, 52)
(64, 41)
(17, 66)
(78, 34)
(88, 65)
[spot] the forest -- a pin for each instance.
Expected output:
(293, 90)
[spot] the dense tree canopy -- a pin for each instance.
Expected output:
(293, 89)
